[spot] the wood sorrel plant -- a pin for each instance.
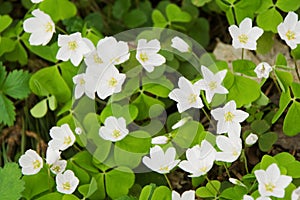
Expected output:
(133, 109)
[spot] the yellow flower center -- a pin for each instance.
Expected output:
(81, 81)
(66, 186)
(116, 133)
(203, 169)
(67, 140)
(72, 45)
(164, 168)
(36, 164)
(56, 168)
(235, 153)
(290, 35)
(212, 85)
(243, 38)
(229, 116)
(48, 27)
(192, 98)
(97, 59)
(144, 57)
(270, 187)
(112, 82)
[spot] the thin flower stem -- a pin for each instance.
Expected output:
(61, 30)
(245, 161)
(49, 177)
(168, 181)
(208, 180)
(252, 186)
(243, 53)
(297, 70)
(227, 171)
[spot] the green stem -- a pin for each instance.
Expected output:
(206, 114)
(61, 30)
(245, 161)
(243, 53)
(226, 169)
(297, 70)
(168, 181)
(209, 181)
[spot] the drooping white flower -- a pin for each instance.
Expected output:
(186, 96)
(229, 119)
(72, 47)
(263, 70)
(289, 30)
(114, 129)
(160, 140)
(251, 139)
(159, 161)
(40, 26)
(36, 1)
(58, 166)
(62, 137)
(245, 36)
(248, 197)
(236, 182)
(211, 83)
(80, 87)
(146, 54)
(199, 159)
(52, 155)
(31, 162)
(180, 45)
(78, 130)
(109, 82)
(296, 194)
(231, 148)
(187, 195)
(66, 182)
(271, 182)
(181, 122)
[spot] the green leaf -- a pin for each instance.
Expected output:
(284, 101)
(7, 45)
(269, 20)
(118, 182)
(284, 79)
(5, 21)
(265, 42)
(126, 158)
(244, 66)
(70, 197)
(281, 60)
(161, 192)
(245, 9)
(266, 141)
(200, 3)
(40, 109)
(32, 188)
(51, 196)
(295, 53)
(199, 30)
(147, 192)
(58, 9)
(52, 102)
(244, 91)
(291, 120)
(296, 89)
(84, 160)
(133, 141)
(160, 86)
(88, 189)
(19, 54)
(135, 18)
(16, 84)
(266, 161)
(3, 74)
(293, 169)
(7, 108)
(260, 126)
(234, 193)
(209, 190)
(10, 184)
(128, 112)
(175, 14)
(158, 19)
(120, 7)
(287, 5)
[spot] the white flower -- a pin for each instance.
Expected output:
(251, 139)
(231, 148)
(159, 161)
(36, 1)
(263, 70)
(79, 80)
(59, 166)
(245, 36)
(199, 159)
(229, 119)
(187, 195)
(52, 155)
(66, 182)
(271, 182)
(31, 162)
(62, 137)
(236, 182)
(248, 197)
(72, 47)
(180, 45)
(296, 194)
(114, 129)
(40, 26)
(147, 55)
(186, 96)
(78, 130)
(181, 122)
(109, 82)
(289, 30)
(211, 83)
(160, 140)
